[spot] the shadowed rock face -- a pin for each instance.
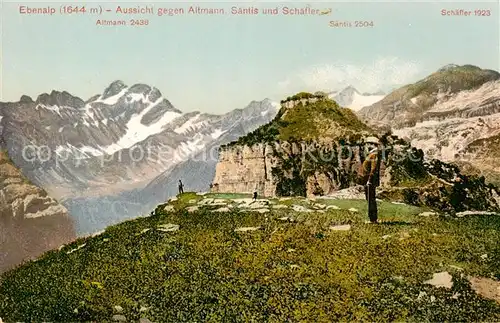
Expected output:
(30, 221)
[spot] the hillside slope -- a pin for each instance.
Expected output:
(224, 258)
(30, 221)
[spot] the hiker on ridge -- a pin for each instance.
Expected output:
(370, 176)
(181, 187)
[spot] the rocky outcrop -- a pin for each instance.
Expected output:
(287, 169)
(245, 169)
(30, 221)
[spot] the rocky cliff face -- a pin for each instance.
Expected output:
(312, 147)
(30, 221)
(245, 169)
(287, 169)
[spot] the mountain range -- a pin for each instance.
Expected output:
(453, 114)
(101, 151)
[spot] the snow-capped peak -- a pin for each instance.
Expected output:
(351, 98)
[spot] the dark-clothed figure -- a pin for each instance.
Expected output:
(371, 176)
(181, 187)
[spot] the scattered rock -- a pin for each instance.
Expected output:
(169, 227)
(319, 206)
(300, 208)
(353, 210)
(484, 257)
(206, 201)
(285, 198)
(399, 203)
(144, 320)
(427, 214)
(321, 211)
(118, 309)
(294, 266)
(261, 210)
(144, 231)
(455, 295)
(246, 201)
(201, 193)
(486, 287)
(76, 249)
(192, 209)
(465, 213)
(169, 208)
(387, 236)
(332, 207)
(290, 250)
(286, 218)
(421, 295)
(259, 204)
(343, 227)
(105, 239)
(456, 267)
(351, 193)
(280, 206)
(404, 235)
(173, 199)
(245, 229)
(442, 279)
(223, 209)
(433, 299)
(192, 201)
(119, 318)
(144, 309)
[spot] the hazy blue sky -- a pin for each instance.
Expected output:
(219, 63)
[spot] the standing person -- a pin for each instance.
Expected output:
(181, 187)
(254, 198)
(371, 176)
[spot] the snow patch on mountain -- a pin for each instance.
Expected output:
(112, 99)
(138, 132)
(64, 150)
(217, 133)
(359, 101)
(190, 124)
(351, 98)
(53, 108)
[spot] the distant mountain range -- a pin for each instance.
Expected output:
(115, 142)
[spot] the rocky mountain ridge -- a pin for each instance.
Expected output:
(409, 104)
(454, 118)
(116, 141)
